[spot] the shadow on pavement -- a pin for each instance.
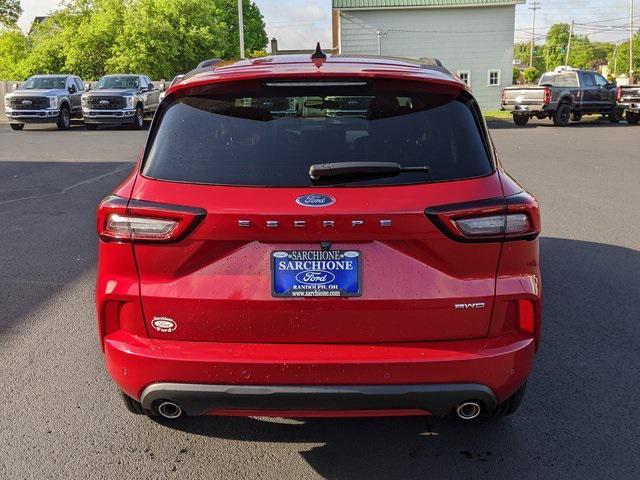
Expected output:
(47, 239)
(578, 410)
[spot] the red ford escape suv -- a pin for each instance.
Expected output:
(319, 236)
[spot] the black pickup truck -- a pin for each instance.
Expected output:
(629, 100)
(120, 99)
(563, 95)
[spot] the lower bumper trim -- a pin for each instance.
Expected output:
(196, 400)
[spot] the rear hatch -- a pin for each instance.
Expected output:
(281, 258)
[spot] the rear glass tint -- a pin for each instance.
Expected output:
(273, 136)
(560, 80)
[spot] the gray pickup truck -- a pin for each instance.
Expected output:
(563, 95)
(120, 99)
(629, 100)
(45, 99)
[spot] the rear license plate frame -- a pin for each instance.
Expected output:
(329, 289)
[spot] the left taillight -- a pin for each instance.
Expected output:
(500, 219)
(140, 221)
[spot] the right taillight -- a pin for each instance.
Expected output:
(128, 221)
(501, 219)
(547, 96)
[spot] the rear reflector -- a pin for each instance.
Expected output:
(527, 319)
(499, 219)
(119, 220)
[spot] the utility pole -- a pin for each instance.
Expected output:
(535, 6)
(573, 23)
(631, 42)
(241, 28)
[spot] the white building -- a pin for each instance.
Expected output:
(473, 38)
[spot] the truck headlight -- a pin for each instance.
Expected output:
(7, 103)
(53, 102)
(130, 102)
(84, 100)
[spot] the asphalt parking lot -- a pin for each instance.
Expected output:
(62, 419)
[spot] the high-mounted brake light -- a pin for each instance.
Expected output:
(119, 220)
(500, 219)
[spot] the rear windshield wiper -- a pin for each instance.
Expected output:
(324, 170)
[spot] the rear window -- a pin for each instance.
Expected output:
(560, 80)
(273, 136)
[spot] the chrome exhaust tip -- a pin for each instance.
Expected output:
(169, 410)
(468, 410)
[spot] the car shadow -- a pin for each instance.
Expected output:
(575, 420)
(48, 241)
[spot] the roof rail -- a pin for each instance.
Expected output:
(430, 62)
(204, 66)
(209, 63)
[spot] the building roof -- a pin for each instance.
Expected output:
(367, 4)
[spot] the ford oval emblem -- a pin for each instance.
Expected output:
(318, 277)
(315, 200)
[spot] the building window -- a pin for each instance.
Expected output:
(494, 78)
(465, 76)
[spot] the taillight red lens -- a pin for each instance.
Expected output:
(547, 96)
(119, 220)
(619, 94)
(500, 219)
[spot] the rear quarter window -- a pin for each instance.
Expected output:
(272, 136)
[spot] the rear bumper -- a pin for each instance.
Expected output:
(430, 376)
(198, 400)
(521, 108)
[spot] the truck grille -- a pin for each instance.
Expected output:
(106, 103)
(29, 103)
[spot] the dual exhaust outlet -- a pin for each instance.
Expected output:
(169, 410)
(469, 410)
(465, 411)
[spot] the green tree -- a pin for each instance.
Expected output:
(515, 76)
(255, 37)
(10, 12)
(531, 75)
(521, 52)
(160, 38)
(165, 37)
(14, 46)
(619, 57)
(90, 41)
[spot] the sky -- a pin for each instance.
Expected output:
(299, 24)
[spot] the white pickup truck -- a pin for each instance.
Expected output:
(629, 100)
